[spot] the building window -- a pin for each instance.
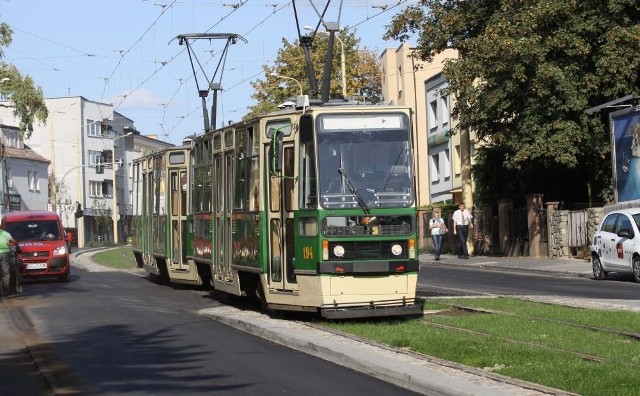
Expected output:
(32, 179)
(95, 188)
(447, 164)
(444, 106)
(11, 138)
(433, 114)
(457, 161)
(435, 169)
(400, 82)
(107, 189)
(9, 178)
(95, 157)
(94, 128)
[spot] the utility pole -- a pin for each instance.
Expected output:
(114, 196)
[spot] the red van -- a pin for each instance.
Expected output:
(44, 245)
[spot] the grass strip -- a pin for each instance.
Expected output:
(521, 346)
(119, 258)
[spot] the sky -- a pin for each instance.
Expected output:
(124, 52)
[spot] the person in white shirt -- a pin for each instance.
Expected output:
(437, 228)
(462, 218)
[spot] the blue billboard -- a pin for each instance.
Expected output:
(625, 127)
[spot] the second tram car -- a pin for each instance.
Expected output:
(308, 210)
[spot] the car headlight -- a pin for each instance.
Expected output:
(396, 249)
(60, 251)
(338, 250)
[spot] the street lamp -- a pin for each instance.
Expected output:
(114, 198)
(343, 66)
(289, 78)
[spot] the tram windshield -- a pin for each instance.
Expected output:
(364, 161)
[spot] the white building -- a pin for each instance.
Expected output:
(80, 138)
(409, 81)
(23, 174)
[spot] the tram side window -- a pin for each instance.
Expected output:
(240, 193)
(228, 192)
(155, 182)
(206, 189)
(289, 179)
(198, 189)
(197, 177)
(219, 183)
(274, 185)
(174, 194)
(183, 192)
(308, 187)
(254, 171)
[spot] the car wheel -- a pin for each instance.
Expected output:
(636, 268)
(65, 278)
(598, 272)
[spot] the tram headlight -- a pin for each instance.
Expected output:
(396, 249)
(338, 250)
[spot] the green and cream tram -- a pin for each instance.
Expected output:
(162, 216)
(307, 210)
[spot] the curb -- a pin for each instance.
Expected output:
(412, 371)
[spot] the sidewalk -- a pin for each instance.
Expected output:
(422, 374)
(558, 266)
(567, 266)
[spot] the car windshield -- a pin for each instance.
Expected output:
(636, 219)
(34, 230)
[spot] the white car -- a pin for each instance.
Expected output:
(616, 244)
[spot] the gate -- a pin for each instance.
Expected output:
(519, 229)
(578, 232)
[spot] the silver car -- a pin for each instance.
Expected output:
(616, 244)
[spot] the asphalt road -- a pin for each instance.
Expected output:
(436, 279)
(119, 333)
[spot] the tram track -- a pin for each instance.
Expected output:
(461, 309)
(632, 335)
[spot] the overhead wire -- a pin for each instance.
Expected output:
(277, 8)
(122, 55)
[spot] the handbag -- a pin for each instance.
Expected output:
(442, 228)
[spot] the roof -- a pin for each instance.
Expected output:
(24, 153)
(30, 214)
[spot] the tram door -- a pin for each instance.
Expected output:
(178, 203)
(281, 202)
(148, 201)
(223, 182)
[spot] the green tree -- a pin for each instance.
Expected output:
(24, 96)
(527, 72)
(362, 71)
(64, 204)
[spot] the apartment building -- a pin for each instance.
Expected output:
(23, 174)
(90, 147)
(411, 82)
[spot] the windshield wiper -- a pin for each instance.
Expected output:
(354, 191)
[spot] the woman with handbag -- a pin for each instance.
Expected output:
(437, 228)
